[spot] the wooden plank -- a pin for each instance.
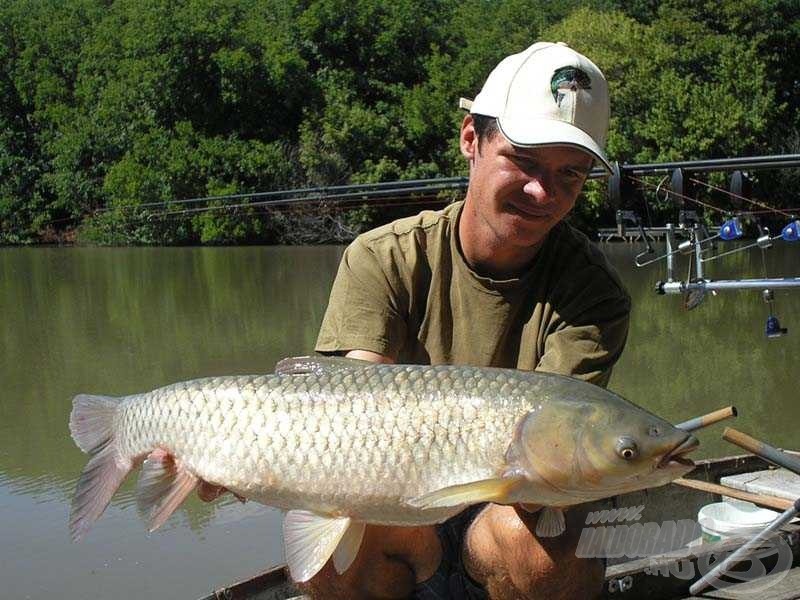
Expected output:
(774, 482)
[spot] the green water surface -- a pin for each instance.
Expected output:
(119, 321)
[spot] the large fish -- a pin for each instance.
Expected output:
(340, 443)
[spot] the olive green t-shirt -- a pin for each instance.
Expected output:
(404, 290)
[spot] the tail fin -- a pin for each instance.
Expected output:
(92, 426)
(92, 421)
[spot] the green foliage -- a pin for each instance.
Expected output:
(40, 45)
(678, 91)
(113, 112)
(676, 88)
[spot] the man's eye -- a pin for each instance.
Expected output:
(523, 162)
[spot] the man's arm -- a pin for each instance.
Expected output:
(587, 328)
(502, 552)
(588, 347)
(367, 307)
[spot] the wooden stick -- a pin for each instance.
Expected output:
(709, 419)
(762, 449)
(773, 502)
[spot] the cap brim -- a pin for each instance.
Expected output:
(550, 132)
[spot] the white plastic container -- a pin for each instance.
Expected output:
(723, 520)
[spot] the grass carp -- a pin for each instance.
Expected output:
(339, 443)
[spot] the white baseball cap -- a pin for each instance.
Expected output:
(547, 95)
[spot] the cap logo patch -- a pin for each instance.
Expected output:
(568, 79)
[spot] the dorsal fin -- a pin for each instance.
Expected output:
(302, 365)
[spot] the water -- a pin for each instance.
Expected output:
(118, 321)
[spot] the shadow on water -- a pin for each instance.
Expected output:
(118, 321)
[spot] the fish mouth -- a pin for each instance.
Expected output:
(676, 455)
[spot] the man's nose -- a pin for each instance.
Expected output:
(538, 188)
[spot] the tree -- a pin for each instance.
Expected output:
(111, 111)
(180, 102)
(676, 91)
(39, 61)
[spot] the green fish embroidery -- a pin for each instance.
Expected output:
(568, 79)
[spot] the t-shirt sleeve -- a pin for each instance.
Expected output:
(587, 339)
(365, 310)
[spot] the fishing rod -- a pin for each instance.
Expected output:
(266, 208)
(310, 194)
(766, 208)
(700, 242)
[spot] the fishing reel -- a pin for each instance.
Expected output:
(773, 327)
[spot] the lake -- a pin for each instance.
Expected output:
(118, 321)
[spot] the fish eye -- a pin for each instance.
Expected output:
(654, 431)
(627, 448)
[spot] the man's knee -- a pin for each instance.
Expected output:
(378, 577)
(509, 560)
(391, 561)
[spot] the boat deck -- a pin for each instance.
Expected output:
(781, 587)
(664, 577)
(770, 587)
(669, 575)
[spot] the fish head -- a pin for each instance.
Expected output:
(587, 450)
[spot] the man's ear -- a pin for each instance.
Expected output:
(469, 139)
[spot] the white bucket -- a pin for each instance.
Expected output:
(723, 520)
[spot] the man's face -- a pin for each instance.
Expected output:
(519, 194)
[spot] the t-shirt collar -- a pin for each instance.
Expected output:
(490, 284)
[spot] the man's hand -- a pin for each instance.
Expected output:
(208, 492)
(370, 356)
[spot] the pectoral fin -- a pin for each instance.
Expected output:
(311, 539)
(551, 522)
(487, 490)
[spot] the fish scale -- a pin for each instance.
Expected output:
(329, 439)
(372, 410)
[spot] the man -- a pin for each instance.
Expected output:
(498, 280)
